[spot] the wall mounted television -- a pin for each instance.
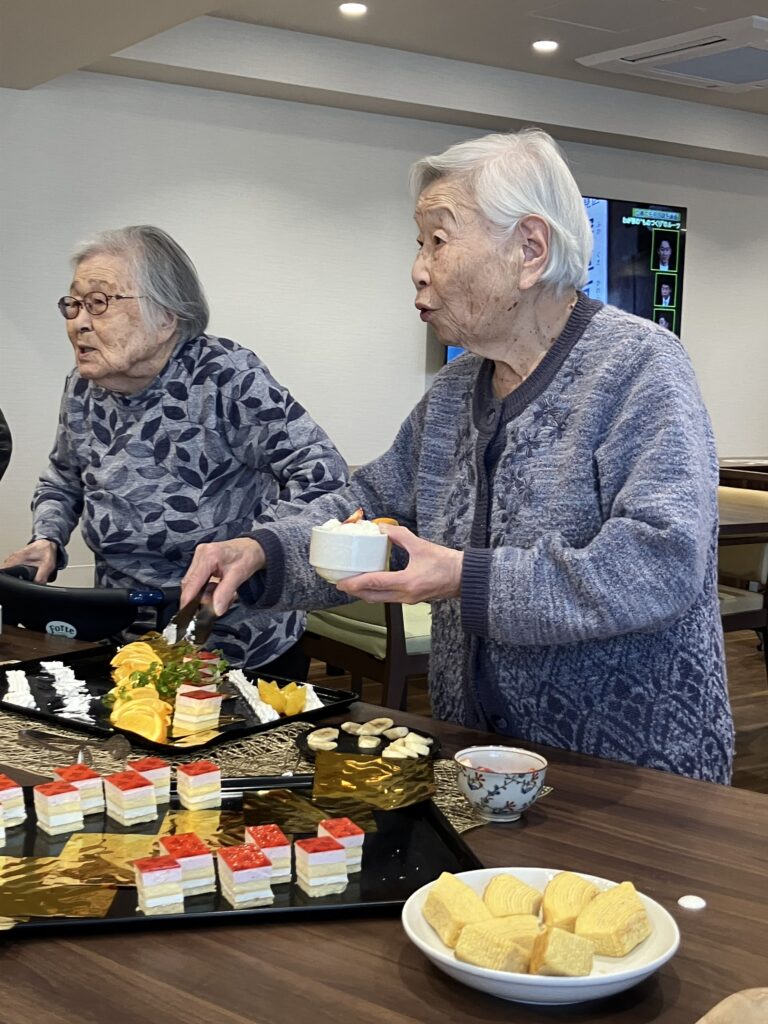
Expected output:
(638, 260)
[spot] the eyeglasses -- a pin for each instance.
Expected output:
(95, 302)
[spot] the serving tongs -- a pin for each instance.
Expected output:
(195, 621)
(116, 746)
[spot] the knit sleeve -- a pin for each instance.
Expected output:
(384, 487)
(656, 471)
(57, 502)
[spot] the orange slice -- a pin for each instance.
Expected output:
(271, 694)
(145, 722)
(131, 652)
(387, 520)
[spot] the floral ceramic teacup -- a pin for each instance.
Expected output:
(500, 782)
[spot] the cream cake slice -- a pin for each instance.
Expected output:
(88, 782)
(321, 866)
(158, 772)
(197, 711)
(12, 801)
(159, 885)
(245, 873)
(198, 874)
(274, 844)
(57, 806)
(199, 785)
(2, 827)
(130, 798)
(349, 835)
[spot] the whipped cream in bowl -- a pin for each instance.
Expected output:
(340, 550)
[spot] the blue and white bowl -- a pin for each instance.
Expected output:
(500, 782)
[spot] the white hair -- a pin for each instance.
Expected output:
(514, 176)
(165, 276)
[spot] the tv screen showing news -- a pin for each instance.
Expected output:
(638, 259)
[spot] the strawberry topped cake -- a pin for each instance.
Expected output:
(273, 842)
(12, 802)
(349, 835)
(57, 806)
(197, 872)
(88, 782)
(321, 866)
(199, 785)
(130, 798)
(158, 882)
(158, 772)
(196, 710)
(245, 874)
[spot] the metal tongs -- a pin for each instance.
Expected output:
(195, 621)
(116, 746)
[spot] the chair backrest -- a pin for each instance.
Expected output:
(744, 562)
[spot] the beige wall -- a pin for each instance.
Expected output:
(300, 224)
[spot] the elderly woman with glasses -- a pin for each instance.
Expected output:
(169, 437)
(556, 488)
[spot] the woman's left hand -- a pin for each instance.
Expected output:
(433, 573)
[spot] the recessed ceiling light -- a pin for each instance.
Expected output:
(545, 46)
(353, 10)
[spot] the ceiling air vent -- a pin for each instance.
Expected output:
(732, 57)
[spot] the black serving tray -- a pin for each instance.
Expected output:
(92, 666)
(411, 847)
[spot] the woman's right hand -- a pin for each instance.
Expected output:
(232, 561)
(39, 553)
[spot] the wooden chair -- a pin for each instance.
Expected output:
(387, 643)
(743, 589)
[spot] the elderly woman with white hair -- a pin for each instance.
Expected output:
(169, 437)
(556, 488)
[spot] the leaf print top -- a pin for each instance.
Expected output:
(212, 447)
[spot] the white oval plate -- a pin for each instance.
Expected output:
(609, 975)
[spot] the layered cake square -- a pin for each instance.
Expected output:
(321, 866)
(159, 885)
(88, 782)
(349, 835)
(57, 805)
(12, 801)
(197, 710)
(244, 873)
(130, 798)
(272, 842)
(199, 785)
(158, 772)
(2, 827)
(198, 874)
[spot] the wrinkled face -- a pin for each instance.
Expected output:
(666, 291)
(665, 251)
(115, 349)
(466, 278)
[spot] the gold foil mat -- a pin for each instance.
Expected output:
(27, 890)
(378, 781)
(286, 808)
(216, 828)
(102, 858)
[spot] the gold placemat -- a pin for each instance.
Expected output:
(273, 752)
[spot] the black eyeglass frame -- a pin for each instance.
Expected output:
(78, 304)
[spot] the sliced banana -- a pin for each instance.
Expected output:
(376, 726)
(368, 742)
(397, 755)
(401, 746)
(353, 728)
(314, 744)
(397, 733)
(325, 734)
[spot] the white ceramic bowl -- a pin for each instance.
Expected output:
(500, 782)
(609, 974)
(338, 555)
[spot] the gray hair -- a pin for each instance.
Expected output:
(165, 276)
(514, 176)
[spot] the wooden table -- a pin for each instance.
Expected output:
(751, 473)
(741, 519)
(669, 835)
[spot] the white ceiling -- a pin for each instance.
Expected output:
(41, 39)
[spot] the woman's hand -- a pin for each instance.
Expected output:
(433, 573)
(232, 561)
(40, 553)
